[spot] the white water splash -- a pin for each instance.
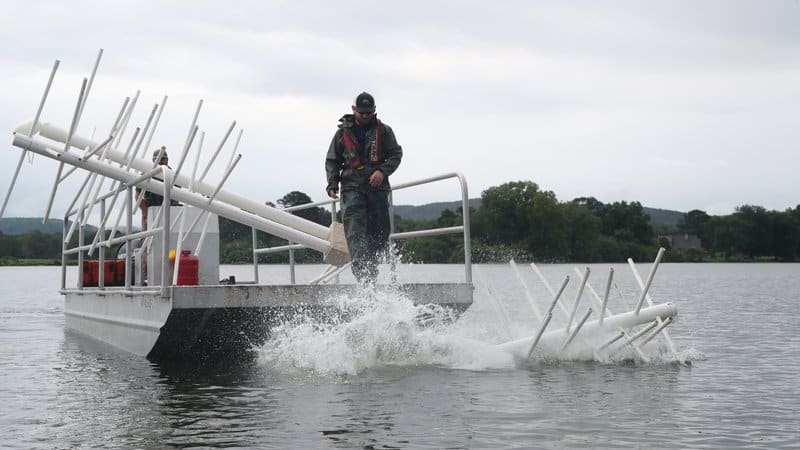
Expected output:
(377, 328)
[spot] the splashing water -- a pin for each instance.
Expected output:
(380, 327)
(376, 327)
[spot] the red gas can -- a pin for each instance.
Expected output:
(90, 270)
(188, 269)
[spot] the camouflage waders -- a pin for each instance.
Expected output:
(366, 226)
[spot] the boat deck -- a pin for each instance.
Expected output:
(221, 320)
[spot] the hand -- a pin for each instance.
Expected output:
(376, 178)
(333, 193)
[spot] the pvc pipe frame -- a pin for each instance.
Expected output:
(624, 320)
(180, 194)
(288, 221)
(30, 132)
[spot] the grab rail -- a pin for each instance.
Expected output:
(464, 229)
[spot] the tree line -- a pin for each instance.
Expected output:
(521, 221)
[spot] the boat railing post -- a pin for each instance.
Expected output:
(129, 230)
(291, 263)
(465, 220)
(101, 254)
(255, 255)
(165, 232)
(81, 230)
(64, 254)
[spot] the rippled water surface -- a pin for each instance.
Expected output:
(375, 383)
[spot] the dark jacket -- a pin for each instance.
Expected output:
(338, 168)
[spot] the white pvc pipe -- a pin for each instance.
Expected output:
(638, 278)
(577, 329)
(539, 333)
(155, 124)
(30, 133)
(578, 296)
(254, 207)
(183, 195)
(527, 291)
(549, 288)
(605, 294)
(663, 325)
(216, 153)
(625, 320)
(500, 311)
(650, 277)
(66, 141)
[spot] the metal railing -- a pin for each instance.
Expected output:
(101, 242)
(393, 236)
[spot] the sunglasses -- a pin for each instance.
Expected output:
(369, 113)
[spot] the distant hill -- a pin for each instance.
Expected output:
(432, 211)
(665, 217)
(22, 225)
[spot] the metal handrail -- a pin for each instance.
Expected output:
(81, 248)
(465, 229)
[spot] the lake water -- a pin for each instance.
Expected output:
(737, 327)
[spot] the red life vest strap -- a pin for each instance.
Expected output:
(351, 150)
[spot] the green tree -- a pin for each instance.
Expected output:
(583, 232)
(316, 214)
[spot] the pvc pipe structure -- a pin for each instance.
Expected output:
(578, 296)
(577, 328)
(272, 214)
(663, 325)
(219, 149)
(605, 294)
(30, 133)
(183, 195)
(539, 333)
(500, 311)
(638, 278)
(617, 337)
(557, 295)
(549, 288)
(601, 303)
(66, 141)
(649, 281)
(625, 320)
(527, 291)
(155, 124)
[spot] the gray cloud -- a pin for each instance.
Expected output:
(678, 105)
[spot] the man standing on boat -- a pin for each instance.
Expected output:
(362, 155)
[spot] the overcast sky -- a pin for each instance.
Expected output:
(677, 104)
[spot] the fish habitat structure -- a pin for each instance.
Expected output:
(164, 299)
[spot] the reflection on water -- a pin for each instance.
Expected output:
(61, 390)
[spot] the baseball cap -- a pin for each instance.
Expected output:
(161, 152)
(365, 103)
